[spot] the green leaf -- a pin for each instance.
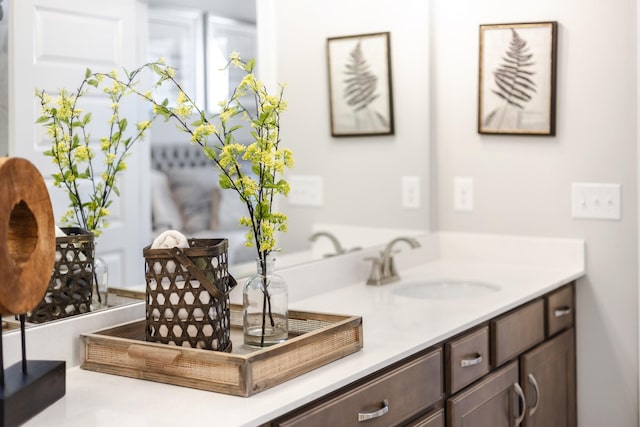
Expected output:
(264, 116)
(87, 73)
(262, 209)
(209, 152)
(224, 182)
(92, 82)
(267, 179)
(283, 187)
(86, 119)
(123, 125)
(42, 119)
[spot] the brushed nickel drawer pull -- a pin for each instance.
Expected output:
(562, 311)
(523, 403)
(471, 362)
(536, 388)
(364, 416)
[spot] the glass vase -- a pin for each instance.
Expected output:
(100, 284)
(265, 307)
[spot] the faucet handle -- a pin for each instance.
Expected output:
(389, 269)
(388, 265)
(375, 277)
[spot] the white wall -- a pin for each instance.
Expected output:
(362, 175)
(522, 184)
(4, 80)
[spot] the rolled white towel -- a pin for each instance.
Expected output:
(170, 239)
(167, 240)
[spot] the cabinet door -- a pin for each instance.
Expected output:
(494, 401)
(549, 381)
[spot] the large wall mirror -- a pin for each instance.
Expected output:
(359, 178)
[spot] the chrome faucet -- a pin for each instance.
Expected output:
(383, 270)
(339, 250)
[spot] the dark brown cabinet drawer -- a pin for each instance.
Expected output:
(431, 420)
(467, 359)
(560, 310)
(517, 331)
(387, 400)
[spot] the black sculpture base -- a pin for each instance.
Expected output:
(25, 395)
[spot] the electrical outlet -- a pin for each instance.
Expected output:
(463, 194)
(411, 192)
(596, 201)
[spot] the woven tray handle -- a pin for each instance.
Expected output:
(199, 275)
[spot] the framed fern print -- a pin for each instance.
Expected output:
(360, 85)
(517, 83)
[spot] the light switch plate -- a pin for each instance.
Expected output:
(306, 190)
(596, 200)
(463, 194)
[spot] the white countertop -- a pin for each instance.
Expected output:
(394, 328)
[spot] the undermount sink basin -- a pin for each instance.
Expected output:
(445, 289)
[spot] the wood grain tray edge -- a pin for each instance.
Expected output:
(121, 350)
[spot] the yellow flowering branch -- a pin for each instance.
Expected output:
(268, 161)
(73, 153)
(215, 134)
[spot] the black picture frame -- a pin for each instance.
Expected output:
(517, 79)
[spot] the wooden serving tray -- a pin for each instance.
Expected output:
(315, 339)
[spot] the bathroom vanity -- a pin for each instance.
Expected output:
(428, 357)
(519, 365)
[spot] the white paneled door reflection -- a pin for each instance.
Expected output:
(52, 42)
